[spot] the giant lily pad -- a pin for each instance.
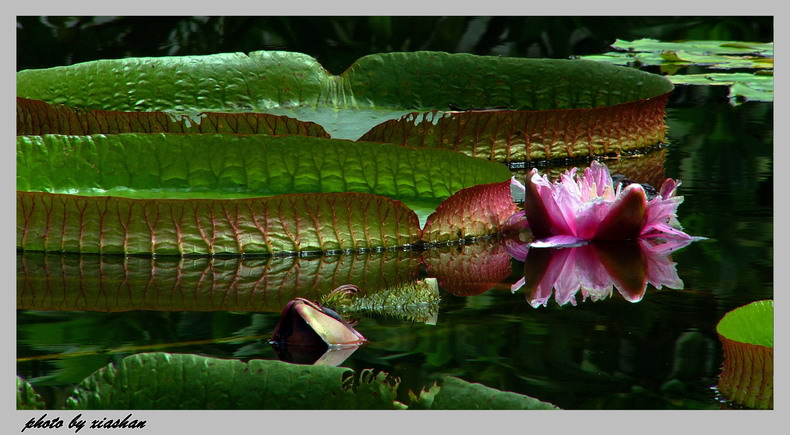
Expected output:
(386, 86)
(289, 224)
(747, 337)
(60, 178)
(223, 166)
(175, 381)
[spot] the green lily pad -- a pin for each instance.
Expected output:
(375, 88)
(713, 47)
(220, 182)
(747, 337)
(175, 381)
(711, 54)
(230, 166)
(752, 324)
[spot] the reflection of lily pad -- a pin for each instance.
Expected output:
(747, 336)
(115, 283)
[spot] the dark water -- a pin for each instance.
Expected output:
(661, 352)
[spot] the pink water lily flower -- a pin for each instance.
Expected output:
(576, 210)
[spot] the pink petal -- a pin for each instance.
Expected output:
(669, 188)
(597, 178)
(541, 209)
(590, 216)
(626, 217)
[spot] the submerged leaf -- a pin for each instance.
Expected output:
(174, 381)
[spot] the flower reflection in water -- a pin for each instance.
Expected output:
(596, 269)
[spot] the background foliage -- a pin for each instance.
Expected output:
(337, 41)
